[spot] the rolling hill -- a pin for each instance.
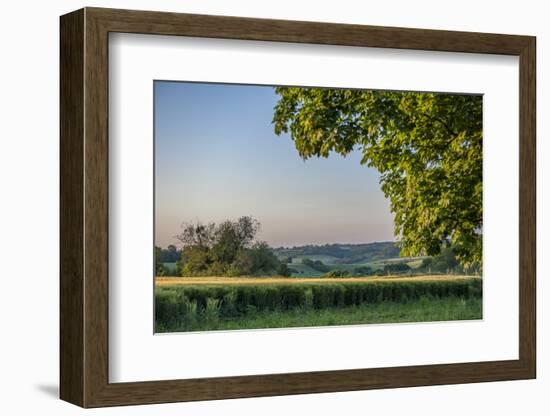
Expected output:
(341, 253)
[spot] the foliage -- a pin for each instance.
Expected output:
(396, 268)
(256, 260)
(316, 265)
(170, 254)
(427, 147)
(337, 273)
(284, 270)
(189, 306)
(421, 310)
(195, 260)
(225, 249)
(446, 262)
(158, 263)
(362, 271)
(160, 270)
(167, 261)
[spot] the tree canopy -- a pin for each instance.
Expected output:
(226, 249)
(426, 146)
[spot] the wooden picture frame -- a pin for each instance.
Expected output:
(84, 207)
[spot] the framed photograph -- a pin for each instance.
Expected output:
(255, 207)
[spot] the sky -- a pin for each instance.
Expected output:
(217, 157)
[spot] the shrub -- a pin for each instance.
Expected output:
(284, 270)
(397, 268)
(337, 273)
(362, 271)
(316, 265)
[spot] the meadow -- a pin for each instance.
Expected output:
(300, 269)
(223, 303)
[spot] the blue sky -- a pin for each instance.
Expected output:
(217, 157)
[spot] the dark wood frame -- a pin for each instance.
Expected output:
(84, 208)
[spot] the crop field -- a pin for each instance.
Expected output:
(276, 280)
(216, 303)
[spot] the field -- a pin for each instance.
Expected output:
(222, 303)
(276, 280)
(300, 269)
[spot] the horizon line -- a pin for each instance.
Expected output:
(307, 245)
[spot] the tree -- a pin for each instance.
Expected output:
(362, 271)
(246, 229)
(231, 236)
(197, 234)
(159, 269)
(396, 268)
(228, 248)
(195, 260)
(284, 270)
(444, 262)
(255, 260)
(243, 264)
(426, 146)
(172, 255)
(337, 273)
(227, 243)
(265, 260)
(316, 265)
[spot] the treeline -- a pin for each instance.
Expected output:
(229, 248)
(170, 254)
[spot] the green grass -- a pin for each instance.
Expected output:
(304, 302)
(421, 310)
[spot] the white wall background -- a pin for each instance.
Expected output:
(29, 159)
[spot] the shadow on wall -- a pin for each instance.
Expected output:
(51, 390)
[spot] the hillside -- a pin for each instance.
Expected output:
(342, 253)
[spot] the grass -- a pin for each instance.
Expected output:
(421, 310)
(207, 303)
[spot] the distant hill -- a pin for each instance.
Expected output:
(342, 253)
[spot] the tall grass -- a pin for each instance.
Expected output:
(188, 306)
(420, 310)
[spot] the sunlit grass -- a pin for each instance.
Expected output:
(215, 280)
(422, 310)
